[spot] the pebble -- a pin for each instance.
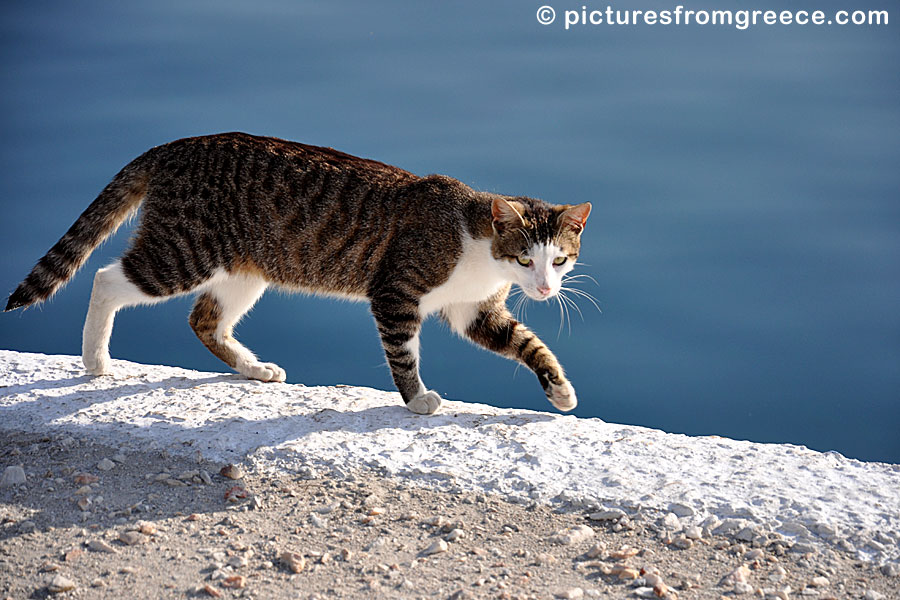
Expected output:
(572, 535)
(85, 479)
(60, 584)
(27, 526)
(671, 522)
(741, 588)
(873, 595)
(106, 465)
(49, 567)
(231, 472)
(454, 535)
(644, 592)
(570, 593)
(235, 582)
(890, 569)
(819, 582)
(624, 552)
(682, 542)
(628, 573)
(694, 532)
(318, 521)
(613, 514)
(101, 546)
(13, 475)
(804, 548)
(131, 538)
(596, 550)
(437, 547)
(237, 561)
(544, 559)
(211, 591)
(293, 561)
(739, 575)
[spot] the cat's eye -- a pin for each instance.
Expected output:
(559, 260)
(524, 260)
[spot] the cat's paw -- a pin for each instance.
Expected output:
(97, 364)
(425, 404)
(562, 396)
(269, 372)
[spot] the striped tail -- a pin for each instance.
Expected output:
(100, 220)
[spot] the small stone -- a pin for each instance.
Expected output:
(60, 584)
(49, 567)
(437, 547)
(804, 548)
(211, 591)
(819, 582)
(73, 554)
(572, 535)
(694, 532)
(131, 538)
(101, 546)
(890, 569)
(754, 554)
(85, 479)
(544, 559)
(234, 494)
(146, 528)
(205, 477)
(235, 582)
(613, 514)
(739, 575)
(128, 570)
(623, 553)
(643, 592)
(237, 561)
(231, 472)
(661, 590)
(346, 554)
(628, 573)
(454, 535)
(682, 542)
(376, 511)
(742, 587)
(27, 526)
(106, 465)
(293, 561)
(318, 521)
(13, 475)
(873, 595)
(671, 522)
(570, 593)
(84, 503)
(596, 550)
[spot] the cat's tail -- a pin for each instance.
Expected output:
(119, 200)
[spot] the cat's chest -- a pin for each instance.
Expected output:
(476, 277)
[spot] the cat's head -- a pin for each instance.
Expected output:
(537, 243)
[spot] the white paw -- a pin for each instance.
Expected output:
(562, 396)
(264, 372)
(425, 404)
(97, 364)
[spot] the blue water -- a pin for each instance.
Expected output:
(746, 187)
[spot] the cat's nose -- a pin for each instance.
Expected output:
(544, 290)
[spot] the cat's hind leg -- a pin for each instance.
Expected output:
(112, 291)
(222, 303)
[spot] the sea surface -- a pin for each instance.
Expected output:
(745, 237)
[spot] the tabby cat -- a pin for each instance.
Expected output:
(226, 216)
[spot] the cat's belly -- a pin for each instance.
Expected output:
(476, 277)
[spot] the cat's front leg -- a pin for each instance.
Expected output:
(398, 324)
(492, 326)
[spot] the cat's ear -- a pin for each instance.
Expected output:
(575, 217)
(506, 214)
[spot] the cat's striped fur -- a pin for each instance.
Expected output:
(225, 216)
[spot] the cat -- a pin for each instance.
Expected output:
(226, 216)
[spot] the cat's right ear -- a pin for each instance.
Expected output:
(506, 215)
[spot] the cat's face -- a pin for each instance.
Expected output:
(537, 243)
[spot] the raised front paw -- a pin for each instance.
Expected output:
(562, 395)
(264, 372)
(425, 404)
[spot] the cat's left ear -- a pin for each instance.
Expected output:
(575, 217)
